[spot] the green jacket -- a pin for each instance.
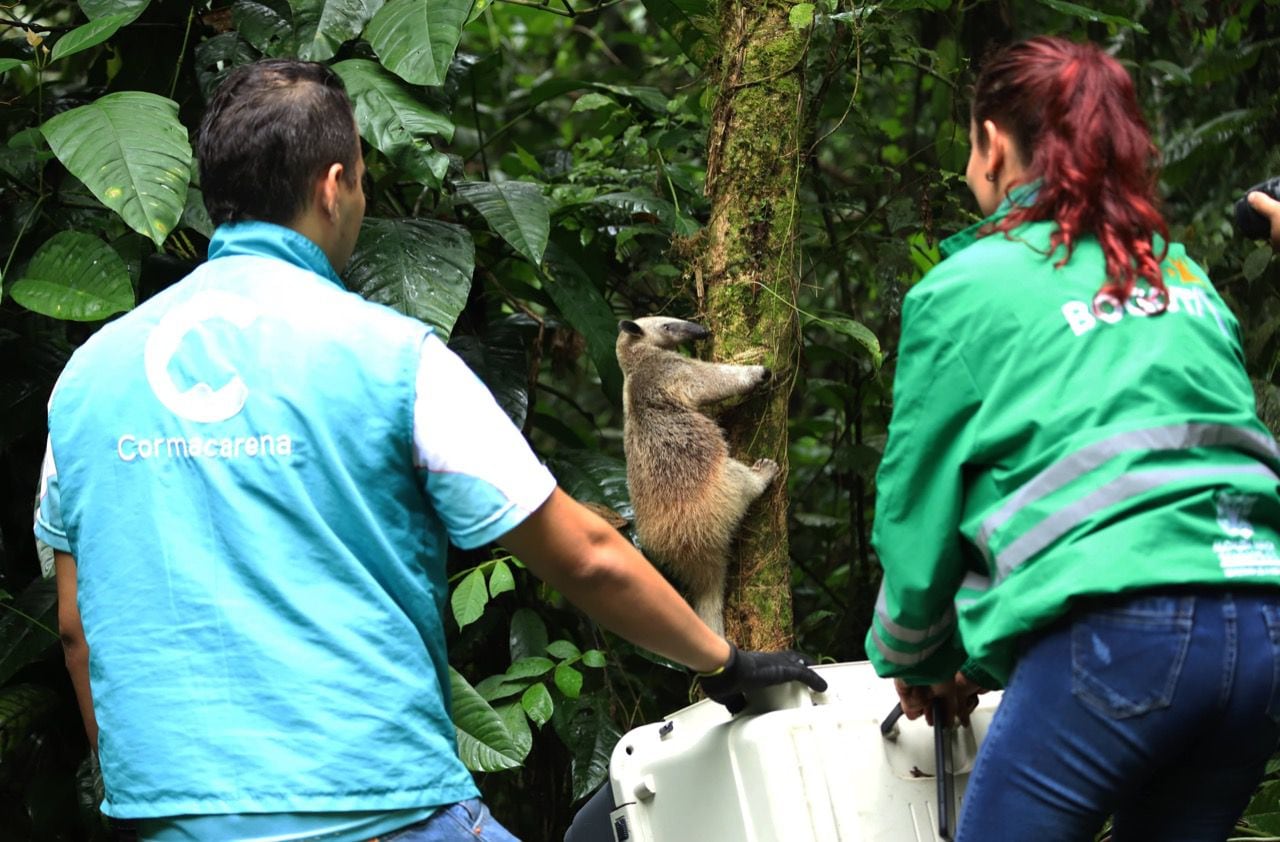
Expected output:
(1043, 448)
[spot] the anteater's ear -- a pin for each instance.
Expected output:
(630, 327)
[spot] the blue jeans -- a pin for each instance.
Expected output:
(466, 820)
(1160, 708)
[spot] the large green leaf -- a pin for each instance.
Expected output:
(469, 598)
(583, 305)
(593, 476)
(416, 39)
(421, 267)
(95, 9)
(75, 276)
(131, 151)
(1085, 13)
(485, 743)
(537, 703)
(857, 331)
(528, 637)
(517, 723)
(218, 56)
(264, 27)
(500, 360)
(91, 34)
(322, 26)
(26, 626)
(517, 210)
(394, 122)
(588, 731)
(7, 64)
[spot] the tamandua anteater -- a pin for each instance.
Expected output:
(689, 495)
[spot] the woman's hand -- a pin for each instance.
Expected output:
(959, 696)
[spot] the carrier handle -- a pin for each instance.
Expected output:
(945, 776)
(942, 765)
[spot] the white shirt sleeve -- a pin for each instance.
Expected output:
(480, 474)
(48, 526)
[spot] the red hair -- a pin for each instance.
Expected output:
(1072, 109)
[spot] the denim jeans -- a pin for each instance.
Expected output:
(1160, 708)
(466, 821)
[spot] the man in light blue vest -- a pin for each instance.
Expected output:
(251, 483)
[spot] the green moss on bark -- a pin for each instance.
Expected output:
(748, 266)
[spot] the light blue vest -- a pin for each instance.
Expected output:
(261, 576)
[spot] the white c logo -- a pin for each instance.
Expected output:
(201, 402)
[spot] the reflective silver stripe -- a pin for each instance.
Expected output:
(1086, 459)
(904, 659)
(1122, 488)
(905, 633)
(976, 582)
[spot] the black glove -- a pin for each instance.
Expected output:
(746, 671)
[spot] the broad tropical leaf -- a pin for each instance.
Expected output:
(75, 276)
(264, 27)
(485, 743)
(584, 306)
(593, 476)
(568, 680)
(91, 34)
(394, 122)
(499, 359)
(534, 667)
(565, 650)
(94, 9)
(517, 722)
(469, 598)
(218, 56)
(131, 151)
(517, 210)
(537, 703)
(7, 64)
(416, 39)
(590, 735)
(528, 637)
(501, 580)
(421, 267)
(324, 25)
(858, 332)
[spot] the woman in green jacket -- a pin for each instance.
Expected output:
(1077, 501)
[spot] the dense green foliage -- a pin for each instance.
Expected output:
(536, 172)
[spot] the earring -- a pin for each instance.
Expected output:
(991, 177)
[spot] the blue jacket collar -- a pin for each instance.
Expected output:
(1023, 195)
(266, 239)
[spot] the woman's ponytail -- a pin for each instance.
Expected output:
(1073, 111)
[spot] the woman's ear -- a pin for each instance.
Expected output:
(996, 143)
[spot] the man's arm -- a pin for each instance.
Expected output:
(74, 647)
(597, 569)
(1269, 208)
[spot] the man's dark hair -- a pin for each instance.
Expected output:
(272, 128)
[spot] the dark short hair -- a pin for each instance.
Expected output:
(272, 128)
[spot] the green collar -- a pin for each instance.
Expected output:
(1022, 196)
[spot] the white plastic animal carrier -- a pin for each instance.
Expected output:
(796, 766)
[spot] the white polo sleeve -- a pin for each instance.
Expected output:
(48, 525)
(478, 470)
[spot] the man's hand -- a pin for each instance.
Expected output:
(959, 695)
(746, 671)
(1269, 208)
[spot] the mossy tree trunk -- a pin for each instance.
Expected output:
(747, 276)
